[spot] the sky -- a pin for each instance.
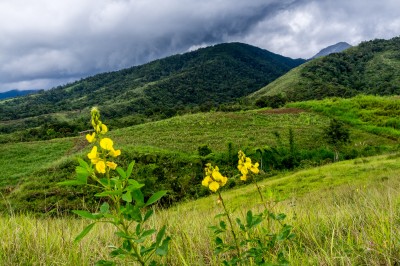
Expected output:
(46, 43)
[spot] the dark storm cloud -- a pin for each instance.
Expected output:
(47, 43)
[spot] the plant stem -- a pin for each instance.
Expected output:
(265, 204)
(231, 225)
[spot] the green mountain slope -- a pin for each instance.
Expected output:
(372, 67)
(210, 76)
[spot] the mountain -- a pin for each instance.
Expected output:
(336, 48)
(200, 79)
(372, 67)
(15, 93)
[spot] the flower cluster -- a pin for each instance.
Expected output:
(214, 179)
(244, 165)
(100, 157)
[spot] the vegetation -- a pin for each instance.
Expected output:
(377, 115)
(373, 67)
(167, 155)
(196, 81)
(302, 207)
(356, 224)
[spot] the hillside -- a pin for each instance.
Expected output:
(200, 79)
(167, 152)
(372, 67)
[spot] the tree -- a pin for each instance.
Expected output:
(337, 135)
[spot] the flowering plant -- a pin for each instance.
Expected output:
(249, 247)
(124, 204)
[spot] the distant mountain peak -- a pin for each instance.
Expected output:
(335, 48)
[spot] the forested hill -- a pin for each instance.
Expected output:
(372, 67)
(208, 76)
(15, 93)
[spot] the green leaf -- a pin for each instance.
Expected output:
(160, 235)
(130, 168)
(148, 233)
(162, 250)
(85, 214)
(121, 172)
(137, 230)
(222, 224)
(136, 214)
(280, 217)
(123, 235)
(220, 215)
(83, 163)
(148, 214)
(82, 174)
(105, 263)
(135, 187)
(219, 241)
(127, 197)
(108, 193)
(137, 195)
(84, 232)
(104, 208)
(156, 196)
(249, 218)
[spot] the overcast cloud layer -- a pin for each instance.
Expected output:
(45, 43)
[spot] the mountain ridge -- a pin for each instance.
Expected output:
(372, 67)
(208, 76)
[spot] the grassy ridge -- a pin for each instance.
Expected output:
(357, 223)
(374, 114)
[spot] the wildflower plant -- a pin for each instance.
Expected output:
(124, 205)
(250, 243)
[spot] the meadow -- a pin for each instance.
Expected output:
(345, 213)
(342, 213)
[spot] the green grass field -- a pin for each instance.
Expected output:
(345, 213)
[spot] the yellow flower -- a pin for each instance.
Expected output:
(254, 168)
(115, 153)
(91, 137)
(104, 129)
(106, 144)
(214, 186)
(101, 167)
(111, 165)
(244, 165)
(216, 174)
(93, 155)
(213, 179)
(206, 181)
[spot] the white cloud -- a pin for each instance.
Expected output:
(44, 41)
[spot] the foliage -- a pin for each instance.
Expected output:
(336, 133)
(374, 114)
(372, 67)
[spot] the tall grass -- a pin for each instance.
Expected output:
(352, 221)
